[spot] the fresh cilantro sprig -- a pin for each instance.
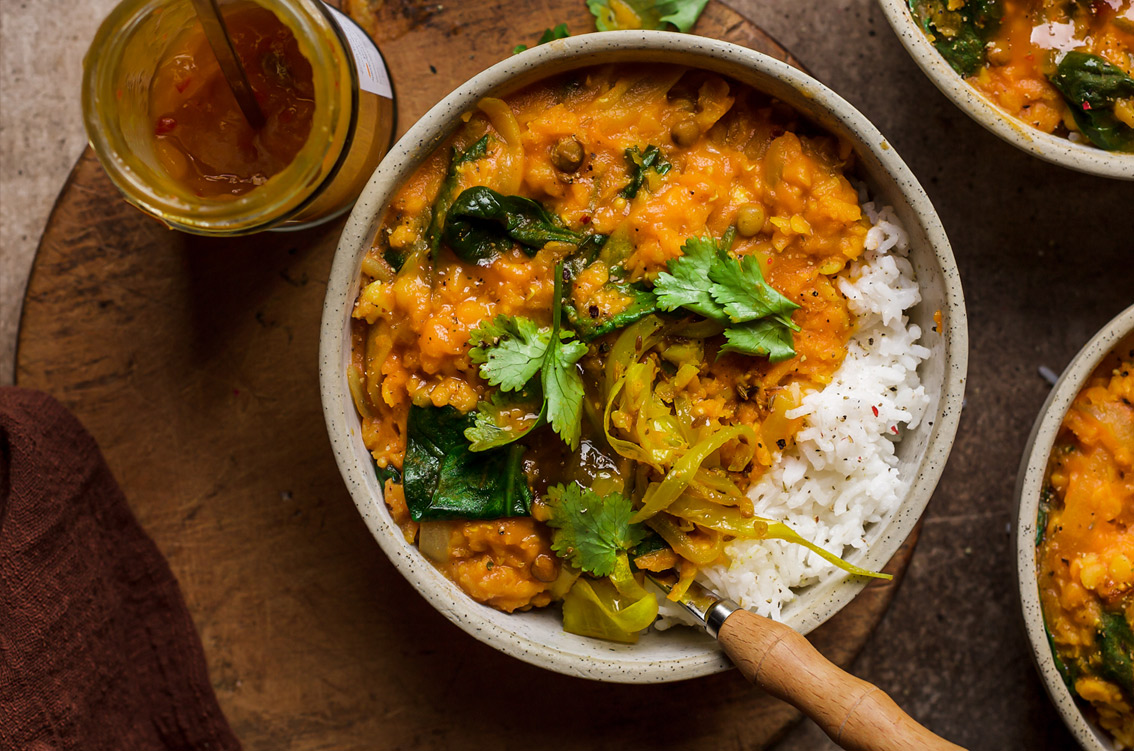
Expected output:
(511, 351)
(708, 281)
(590, 530)
(647, 14)
(557, 32)
(493, 426)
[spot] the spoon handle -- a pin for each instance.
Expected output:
(857, 715)
(216, 33)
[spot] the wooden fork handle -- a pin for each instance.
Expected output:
(857, 715)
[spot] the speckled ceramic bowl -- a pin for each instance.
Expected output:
(538, 637)
(1029, 483)
(1054, 149)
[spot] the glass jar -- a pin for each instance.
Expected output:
(352, 120)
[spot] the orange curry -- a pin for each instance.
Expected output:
(1061, 66)
(1086, 556)
(714, 159)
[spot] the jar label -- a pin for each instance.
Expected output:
(372, 75)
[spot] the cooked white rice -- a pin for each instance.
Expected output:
(841, 475)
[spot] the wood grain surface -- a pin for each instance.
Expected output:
(193, 363)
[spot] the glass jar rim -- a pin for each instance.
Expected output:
(320, 40)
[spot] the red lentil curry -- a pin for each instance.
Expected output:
(1061, 66)
(582, 326)
(1086, 550)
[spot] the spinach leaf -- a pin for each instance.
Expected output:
(1092, 86)
(591, 324)
(449, 189)
(396, 258)
(640, 162)
(389, 472)
(549, 35)
(1068, 672)
(481, 223)
(584, 255)
(1116, 645)
(1047, 501)
(959, 35)
(444, 480)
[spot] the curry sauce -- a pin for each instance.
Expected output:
(1086, 555)
(713, 159)
(1060, 67)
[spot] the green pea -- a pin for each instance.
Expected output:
(750, 219)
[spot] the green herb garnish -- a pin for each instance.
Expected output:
(491, 428)
(590, 530)
(511, 351)
(651, 14)
(558, 32)
(708, 281)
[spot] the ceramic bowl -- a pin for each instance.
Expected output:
(1054, 149)
(681, 653)
(1029, 483)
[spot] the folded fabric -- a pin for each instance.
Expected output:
(97, 649)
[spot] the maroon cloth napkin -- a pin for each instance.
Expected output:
(97, 649)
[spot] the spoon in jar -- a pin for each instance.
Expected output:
(216, 33)
(855, 714)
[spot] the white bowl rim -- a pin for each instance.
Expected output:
(1029, 484)
(603, 661)
(1050, 148)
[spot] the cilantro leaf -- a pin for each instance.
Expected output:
(709, 281)
(558, 32)
(767, 337)
(640, 162)
(510, 350)
(682, 13)
(740, 289)
(647, 14)
(685, 286)
(493, 427)
(591, 530)
(563, 389)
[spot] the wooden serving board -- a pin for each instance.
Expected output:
(193, 363)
